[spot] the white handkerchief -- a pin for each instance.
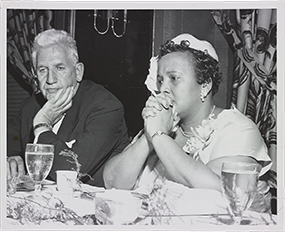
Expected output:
(69, 144)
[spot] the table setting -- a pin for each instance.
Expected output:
(34, 201)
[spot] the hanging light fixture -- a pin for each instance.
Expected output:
(110, 16)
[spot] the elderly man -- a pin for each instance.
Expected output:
(69, 113)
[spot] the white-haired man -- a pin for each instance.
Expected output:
(70, 113)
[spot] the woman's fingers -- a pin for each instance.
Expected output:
(148, 112)
(165, 100)
(162, 100)
(159, 102)
(152, 102)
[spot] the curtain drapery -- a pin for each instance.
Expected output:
(252, 37)
(23, 26)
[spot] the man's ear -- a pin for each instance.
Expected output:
(79, 68)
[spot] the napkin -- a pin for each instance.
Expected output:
(171, 198)
(117, 207)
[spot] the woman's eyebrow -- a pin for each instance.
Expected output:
(173, 71)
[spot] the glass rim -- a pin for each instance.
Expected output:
(40, 144)
(39, 147)
(240, 163)
(240, 166)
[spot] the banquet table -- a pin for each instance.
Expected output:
(202, 209)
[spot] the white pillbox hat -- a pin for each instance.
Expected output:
(201, 45)
(195, 43)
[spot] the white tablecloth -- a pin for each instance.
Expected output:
(199, 208)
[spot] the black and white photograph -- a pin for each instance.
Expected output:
(142, 115)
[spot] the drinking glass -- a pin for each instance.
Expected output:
(39, 159)
(239, 186)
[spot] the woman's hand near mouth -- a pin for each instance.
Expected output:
(159, 114)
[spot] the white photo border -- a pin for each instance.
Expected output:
(162, 5)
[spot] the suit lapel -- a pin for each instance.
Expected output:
(71, 117)
(66, 127)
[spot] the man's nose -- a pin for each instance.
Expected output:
(51, 78)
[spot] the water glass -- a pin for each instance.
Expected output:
(239, 186)
(39, 160)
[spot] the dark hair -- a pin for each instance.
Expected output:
(205, 66)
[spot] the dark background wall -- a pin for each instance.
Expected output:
(119, 64)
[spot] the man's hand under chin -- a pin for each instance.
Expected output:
(54, 108)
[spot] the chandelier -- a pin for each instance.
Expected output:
(110, 16)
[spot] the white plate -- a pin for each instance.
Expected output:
(26, 183)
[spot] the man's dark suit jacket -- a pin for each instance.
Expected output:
(95, 121)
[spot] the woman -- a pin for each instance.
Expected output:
(186, 138)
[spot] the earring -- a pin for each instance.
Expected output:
(202, 97)
(203, 93)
